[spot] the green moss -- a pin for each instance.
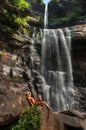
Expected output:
(30, 120)
(16, 78)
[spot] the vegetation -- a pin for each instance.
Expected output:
(75, 13)
(21, 4)
(38, 1)
(11, 16)
(54, 0)
(30, 120)
(72, 17)
(78, 11)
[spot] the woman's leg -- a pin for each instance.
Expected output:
(45, 104)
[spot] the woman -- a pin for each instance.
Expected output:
(37, 102)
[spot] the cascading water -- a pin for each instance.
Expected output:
(57, 68)
(46, 17)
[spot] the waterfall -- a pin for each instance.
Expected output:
(56, 67)
(46, 17)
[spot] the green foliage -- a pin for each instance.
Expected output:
(74, 2)
(12, 21)
(21, 4)
(19, 21)
(72, 17)
(30, 120)
(54, 0)
(38, 1)
(77, 7)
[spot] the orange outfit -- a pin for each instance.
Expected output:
(37, 102)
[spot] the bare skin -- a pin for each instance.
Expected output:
(37, 102)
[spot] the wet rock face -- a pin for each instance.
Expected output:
(79, 62)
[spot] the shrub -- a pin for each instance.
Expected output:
(30, 120)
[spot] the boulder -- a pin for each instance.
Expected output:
(72, 119)
(50, 120)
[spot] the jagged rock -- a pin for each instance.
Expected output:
(12, 101)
